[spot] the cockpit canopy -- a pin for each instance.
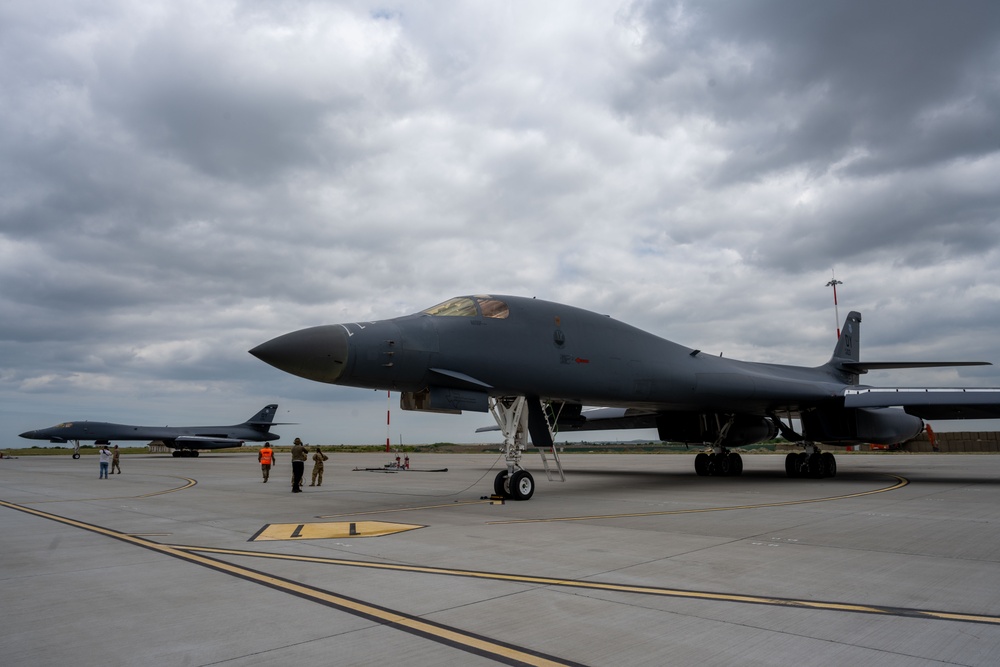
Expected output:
(470, 306)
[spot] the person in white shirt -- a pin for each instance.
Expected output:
(105, 455)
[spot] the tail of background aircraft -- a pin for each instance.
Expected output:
(265, 417)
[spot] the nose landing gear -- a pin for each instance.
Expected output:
(512, 415)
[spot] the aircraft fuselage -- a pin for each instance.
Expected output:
(559, 352)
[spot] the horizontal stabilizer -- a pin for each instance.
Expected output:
(930, 403)
(883, 365)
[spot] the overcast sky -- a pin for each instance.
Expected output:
(181, 181)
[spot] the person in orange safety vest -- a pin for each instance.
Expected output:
(266, 458)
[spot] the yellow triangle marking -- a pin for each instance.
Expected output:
(330, 530)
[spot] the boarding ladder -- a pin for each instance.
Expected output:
(551, 424)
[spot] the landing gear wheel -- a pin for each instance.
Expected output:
(195, 452)
(723, 465)
(500, 484)
(735, 465)
(830, 464)
(701, 464)
(817, 466)
(176, 453)
(522, 485)
(802, 465)
(76, 456)
(792, 464)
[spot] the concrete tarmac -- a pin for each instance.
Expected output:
(634, 560)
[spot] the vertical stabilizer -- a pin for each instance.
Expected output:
(847, 354)
(265, 417)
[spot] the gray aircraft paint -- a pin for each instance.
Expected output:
(254, 429)
(568, 355)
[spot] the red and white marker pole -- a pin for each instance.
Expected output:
(836, 311)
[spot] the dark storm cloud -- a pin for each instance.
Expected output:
(180, 182)
(908, 83)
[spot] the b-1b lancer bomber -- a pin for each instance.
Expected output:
(184, 440)
(535, 364)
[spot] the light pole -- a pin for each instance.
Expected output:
(836, 311)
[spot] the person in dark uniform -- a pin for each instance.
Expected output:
(318, 459)
(299, 456)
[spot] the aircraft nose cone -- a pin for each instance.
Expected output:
(26, 434)
(318, 353)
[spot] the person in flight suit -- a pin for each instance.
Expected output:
(299, 456)
(318, 459)
(266, 458)
(114, 460)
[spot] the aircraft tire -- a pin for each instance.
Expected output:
(791, 464)
(736, 466)
(802, 465)
(195, 452)
(701, 464)
(817, 466)
(500, 484)
(176, 453)
(522, 485)
(76, 456)
(723, 465)
(831, 464)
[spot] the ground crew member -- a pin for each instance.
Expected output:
(266, 458)
(318, 459)
(931, 437)
(105, 458)
(114, 460)
(299, 456)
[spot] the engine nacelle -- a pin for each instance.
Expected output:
(881, 426)
(698, 428)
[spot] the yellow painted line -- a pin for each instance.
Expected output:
(330, 530)
(621, 588)
(406, 509)
(443, 634)
(900, 483)
(190, 483)
(187, 485)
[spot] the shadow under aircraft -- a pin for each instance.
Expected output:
(535, 364)
(184, 440)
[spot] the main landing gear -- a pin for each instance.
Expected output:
(722, 463)
(185, 452)
(811, 463)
